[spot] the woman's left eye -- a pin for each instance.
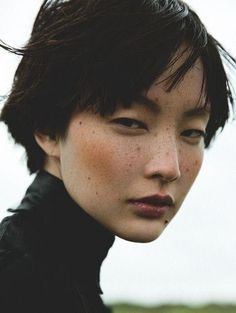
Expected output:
(129, 122)
(194, 133)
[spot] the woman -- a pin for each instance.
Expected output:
(114, 102)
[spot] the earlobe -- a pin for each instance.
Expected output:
(50, 146)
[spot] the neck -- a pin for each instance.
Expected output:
(67, 234)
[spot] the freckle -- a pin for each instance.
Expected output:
(167, 153)
(89, 178)
(138, 148)
(93, 132)
(196, 163)
(80, 122)
(187, 169)
(130, 164)
(96, 193)
(167, 128)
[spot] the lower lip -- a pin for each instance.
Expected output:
(149, 210)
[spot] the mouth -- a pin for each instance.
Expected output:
(155, 206)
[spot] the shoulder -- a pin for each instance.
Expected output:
(19, 282)
(27, 283)
(15, 269)
(19, 276)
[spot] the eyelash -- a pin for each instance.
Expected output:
(187, 133)
(124, 120)
(200, 133)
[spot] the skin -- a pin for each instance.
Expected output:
(104, 161)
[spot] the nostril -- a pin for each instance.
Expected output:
(168, 178)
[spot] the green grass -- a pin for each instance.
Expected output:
(211, 308)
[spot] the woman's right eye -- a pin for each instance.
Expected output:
(130, 123)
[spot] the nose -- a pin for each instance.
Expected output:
(164, 162)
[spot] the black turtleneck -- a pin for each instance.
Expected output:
(63, 241)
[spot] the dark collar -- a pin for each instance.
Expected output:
(63, 232)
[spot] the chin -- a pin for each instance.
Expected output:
(143, 236)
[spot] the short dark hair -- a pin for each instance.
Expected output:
(96, 54)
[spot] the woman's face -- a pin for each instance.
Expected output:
(155, 148)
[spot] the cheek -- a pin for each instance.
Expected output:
(102, 159)
(191, 166)
(99, 158)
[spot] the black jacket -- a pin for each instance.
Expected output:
(50, 253)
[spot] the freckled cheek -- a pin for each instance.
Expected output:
(104, 161)
(191, 167)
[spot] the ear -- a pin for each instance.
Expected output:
(50, 146)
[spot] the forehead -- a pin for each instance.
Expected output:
(186, 100)
(189, 92)
(194, 77)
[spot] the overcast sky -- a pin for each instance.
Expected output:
(195, 258)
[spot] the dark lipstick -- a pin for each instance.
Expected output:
(154, 206)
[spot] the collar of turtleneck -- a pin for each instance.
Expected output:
(64, 235)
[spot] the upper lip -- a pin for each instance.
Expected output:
(163, 200)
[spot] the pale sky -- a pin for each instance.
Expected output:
(194, 260)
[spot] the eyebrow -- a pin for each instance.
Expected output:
(154, 107)
(147, 103)
(200, 110)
